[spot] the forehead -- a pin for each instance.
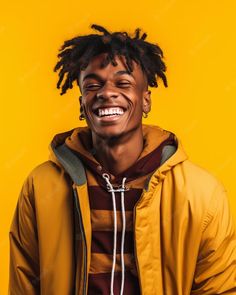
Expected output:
(95, 66)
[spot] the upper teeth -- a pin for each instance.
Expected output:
(110, 111)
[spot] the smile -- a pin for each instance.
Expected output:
(109, 112)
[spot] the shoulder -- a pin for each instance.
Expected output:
(198, 192)
(44, 170)
(45, 177)
(48, 167)
(199, 175)
(200, 178)
(199, 187)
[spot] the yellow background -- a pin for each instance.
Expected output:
(199, 42)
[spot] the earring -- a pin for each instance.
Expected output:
(145, 115)
(81, 117)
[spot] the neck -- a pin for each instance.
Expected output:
(117, 155)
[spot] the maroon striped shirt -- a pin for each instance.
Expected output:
(102, 219)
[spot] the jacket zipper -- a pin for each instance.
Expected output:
(83, 238)
(135, 246)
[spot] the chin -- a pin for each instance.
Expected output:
(108, 133)
(113, 133)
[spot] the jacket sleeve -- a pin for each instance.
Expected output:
(24, 258)
(216, 266)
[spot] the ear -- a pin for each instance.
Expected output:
(81, 101)
(147, 101)
(81, 108)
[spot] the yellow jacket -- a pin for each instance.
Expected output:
(185, 241)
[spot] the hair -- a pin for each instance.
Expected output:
(76, 53)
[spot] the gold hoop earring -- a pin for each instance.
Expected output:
(81, 117)
(145, 115)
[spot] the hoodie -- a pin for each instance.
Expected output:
(112, 199)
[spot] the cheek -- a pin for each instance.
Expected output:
(136, 112)
(134, 98)
(86, 103)
(87, 111)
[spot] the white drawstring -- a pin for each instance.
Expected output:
(110, 188)
(123, 235)
(121, 190)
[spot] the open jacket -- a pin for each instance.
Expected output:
(185, 241)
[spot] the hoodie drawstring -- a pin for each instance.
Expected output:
(111, 189)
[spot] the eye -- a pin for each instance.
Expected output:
(123, 84)
(92, 86)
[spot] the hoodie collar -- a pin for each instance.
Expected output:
(64, 147)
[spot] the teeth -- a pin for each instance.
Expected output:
(110, 111)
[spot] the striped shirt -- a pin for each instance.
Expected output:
(102, 215)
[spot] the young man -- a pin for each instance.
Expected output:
(118, 208)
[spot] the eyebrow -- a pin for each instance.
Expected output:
(123, 73)
(97, 77)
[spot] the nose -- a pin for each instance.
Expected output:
(106, 92)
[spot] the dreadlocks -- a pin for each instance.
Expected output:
(76, 54)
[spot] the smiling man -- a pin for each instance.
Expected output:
(113, 103)
(119, 208)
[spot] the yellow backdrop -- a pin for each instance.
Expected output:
(199, 42)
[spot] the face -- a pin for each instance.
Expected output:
(113, 99)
